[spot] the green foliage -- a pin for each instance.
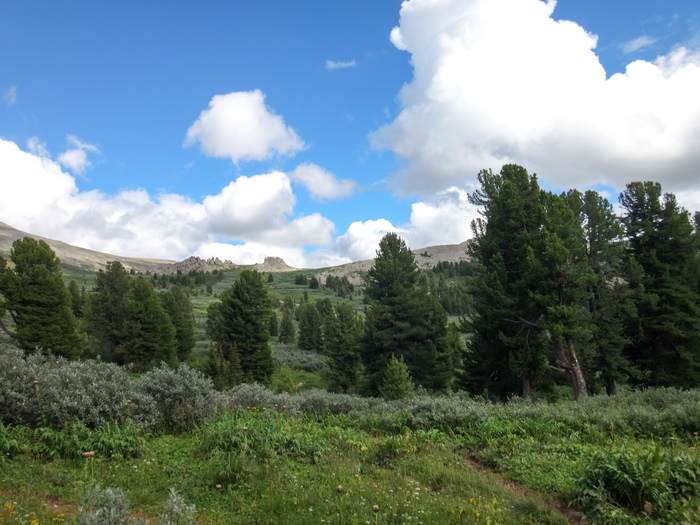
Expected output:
(178, 306)
(310, 327)
(663, 247)
(298, 359)
(37, 299)
(107, 441)
(343, 333)
(106, 311)
(287, 332)
(402, 319)
(397, 380)
(240, 322)
(649, 481)
(184, 397)
(149, 334)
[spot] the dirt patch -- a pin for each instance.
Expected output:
(560, 506)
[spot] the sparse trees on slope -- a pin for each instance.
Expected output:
(38, 300)
(310, 327)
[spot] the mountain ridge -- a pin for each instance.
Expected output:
(85, 258)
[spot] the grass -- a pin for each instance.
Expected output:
(287, 470)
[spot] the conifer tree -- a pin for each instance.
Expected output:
(666, 334)
(38, 301)
(149, 335)
(342, 337)
(397, 382)
(178, 306)
(310, 328)
(402, 319)
(240, 323)
(287, 330)
(106, 309)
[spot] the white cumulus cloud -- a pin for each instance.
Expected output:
(75, 159)
(255, 213)
(241, 127)
(321, 184)
(497, 81)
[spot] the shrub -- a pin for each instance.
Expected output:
(184, 397)
(39, 390)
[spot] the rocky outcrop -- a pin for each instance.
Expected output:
(273, 264)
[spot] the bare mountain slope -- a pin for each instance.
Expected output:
(92, 260)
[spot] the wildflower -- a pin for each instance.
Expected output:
(245, 429)
(340, 488)
(218, 487)
(88, 454)
(375, 508)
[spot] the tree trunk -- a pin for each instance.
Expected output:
(580, 388)
(525, 380)
(611, 388)
(7, 330)
(570, 365)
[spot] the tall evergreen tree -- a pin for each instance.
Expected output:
(342, 337)
(38, 300)
(287, 330)
(507, 348)
(240, 323)
(178, 306)
(310, 328)
(106, 309)
(661, 238)
(402, 319)
(149, 335)
(610, 303)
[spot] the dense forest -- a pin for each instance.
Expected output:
(559, 294)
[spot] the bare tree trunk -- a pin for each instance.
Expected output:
(525, 381)
(580, 389)
(7, 330)
(569, 364)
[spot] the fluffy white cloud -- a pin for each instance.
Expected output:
(10, 95)
(40, 198)
(75, 159)
(322, 184)
(362, 239)
(240, 126)
(637, 43)
(499, 81)
(339, 64)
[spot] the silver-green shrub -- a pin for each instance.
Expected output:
(106, 506)
(41, 390)
(177, 512)
(184, 397)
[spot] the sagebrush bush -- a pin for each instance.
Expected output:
(298, 359)
(184, 397)
(107, 506)
(41, 390)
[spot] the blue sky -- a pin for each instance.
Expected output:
(308, 129)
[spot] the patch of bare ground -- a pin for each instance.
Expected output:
(558, 505)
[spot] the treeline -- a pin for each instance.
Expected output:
(564, 288)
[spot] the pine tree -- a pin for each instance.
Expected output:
(178, 306)
(149, 335)
(397, 383)
(38, 300)
(507, 349)
(402, 318)
(106, 309)
(666, 334)
(310, 328)
(287, 330)
(240, 322)
(274, 325)
(342, 337)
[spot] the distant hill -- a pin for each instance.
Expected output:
(91, 260)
